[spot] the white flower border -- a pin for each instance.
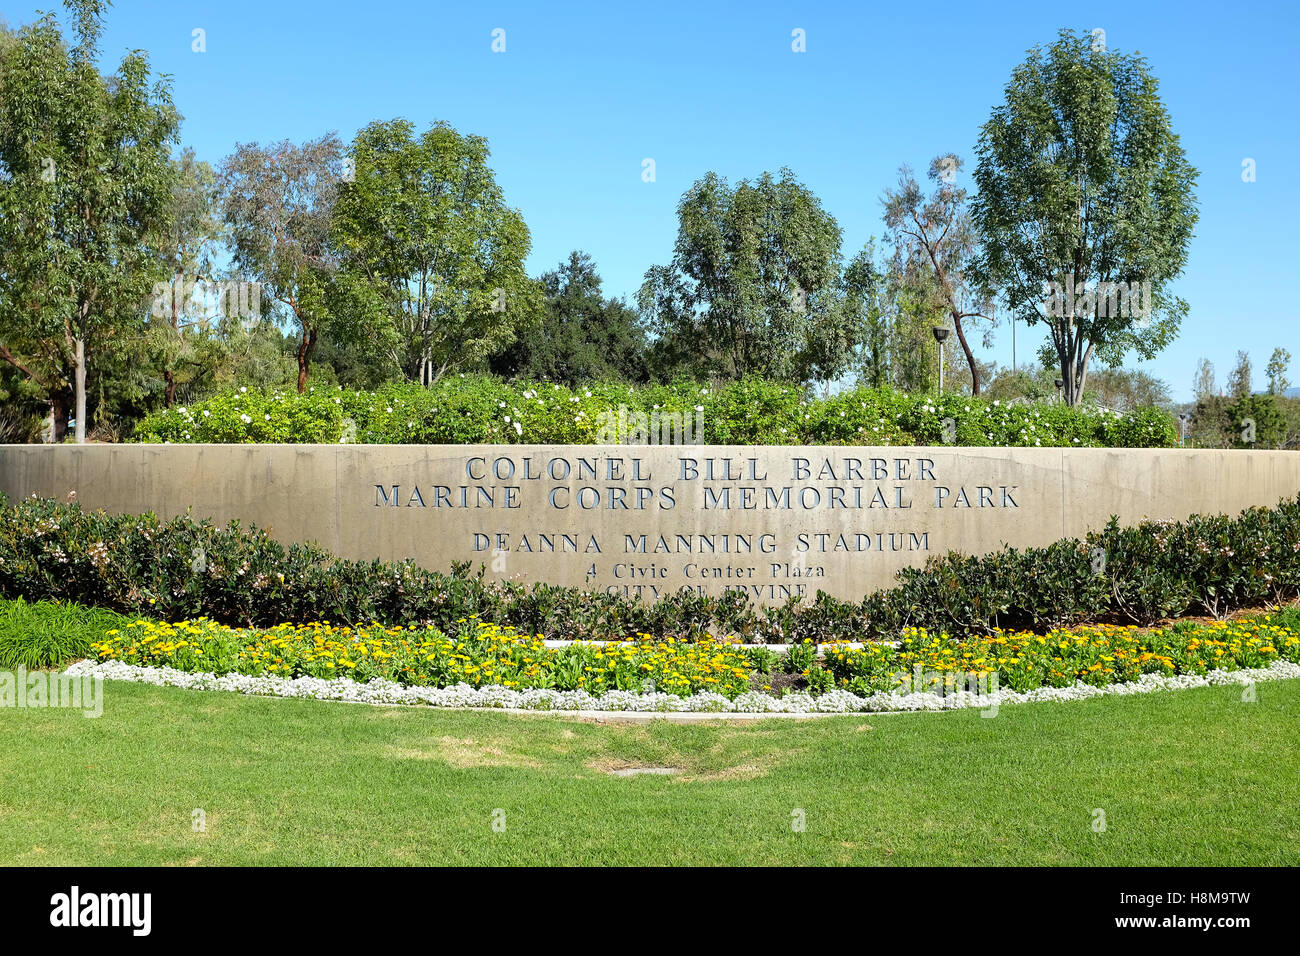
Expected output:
(380, 691)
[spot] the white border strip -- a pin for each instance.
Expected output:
(556, 643)
(496, 697)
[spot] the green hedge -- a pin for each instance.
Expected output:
(181, 568)
(475, 409)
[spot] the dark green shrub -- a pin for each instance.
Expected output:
(178, 569)
(1145, 584)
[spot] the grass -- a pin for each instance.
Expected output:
(51, 633)
(1196, 777)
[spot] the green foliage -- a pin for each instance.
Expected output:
(761, 659)
(934, 243)
(801, 657)
(754, 281)
(1246, 421)
(478, 409)
(865, 288)
(278, 203)
(85, 188)
(1279, 366)
(1125, 389)
(434, 254)
(50, 633)
(1078, 170)
(182, 569)
(1257, 421)
(185, 339)
(582, 337)
(1240, 383)
(1133, 567)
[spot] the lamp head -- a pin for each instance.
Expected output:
(940, 333)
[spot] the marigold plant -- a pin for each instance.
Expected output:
(477, 653)
(1097, 654)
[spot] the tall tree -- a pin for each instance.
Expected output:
(753, 281)
(278, 202)
(85, 182)
(1240, 381)
(1203, 386)
(937, 229)
(865, 290)
(583, 335)
(918, 306)
(181, 337)
(1125, 389)
(1083, 183)
(1279, 365)
(425, 227)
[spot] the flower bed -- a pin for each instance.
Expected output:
(478, 654)
(482, 655)
(1097, 655)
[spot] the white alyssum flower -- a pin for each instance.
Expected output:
(380, 691)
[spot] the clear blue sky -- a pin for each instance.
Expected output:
(585, 92)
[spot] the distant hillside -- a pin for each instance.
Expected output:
(1292, 392)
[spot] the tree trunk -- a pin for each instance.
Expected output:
(169, 391)
(970, 356)
(1081, 375)
(305, 347)
(1063, 363)
(59, 412)
(79, 374)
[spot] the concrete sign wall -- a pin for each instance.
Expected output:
(775, 521)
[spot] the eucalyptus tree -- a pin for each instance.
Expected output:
(432, 248)
(1279, 365)
(185, 338)
(85, 186)
(865, 290)
(754, 281)
(1240, 381)
(278, 203)
(1085, 205)
(1203, 386)
(935, 232)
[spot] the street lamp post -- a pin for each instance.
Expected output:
(940, 333)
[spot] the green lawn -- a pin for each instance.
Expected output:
(1193, 777)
